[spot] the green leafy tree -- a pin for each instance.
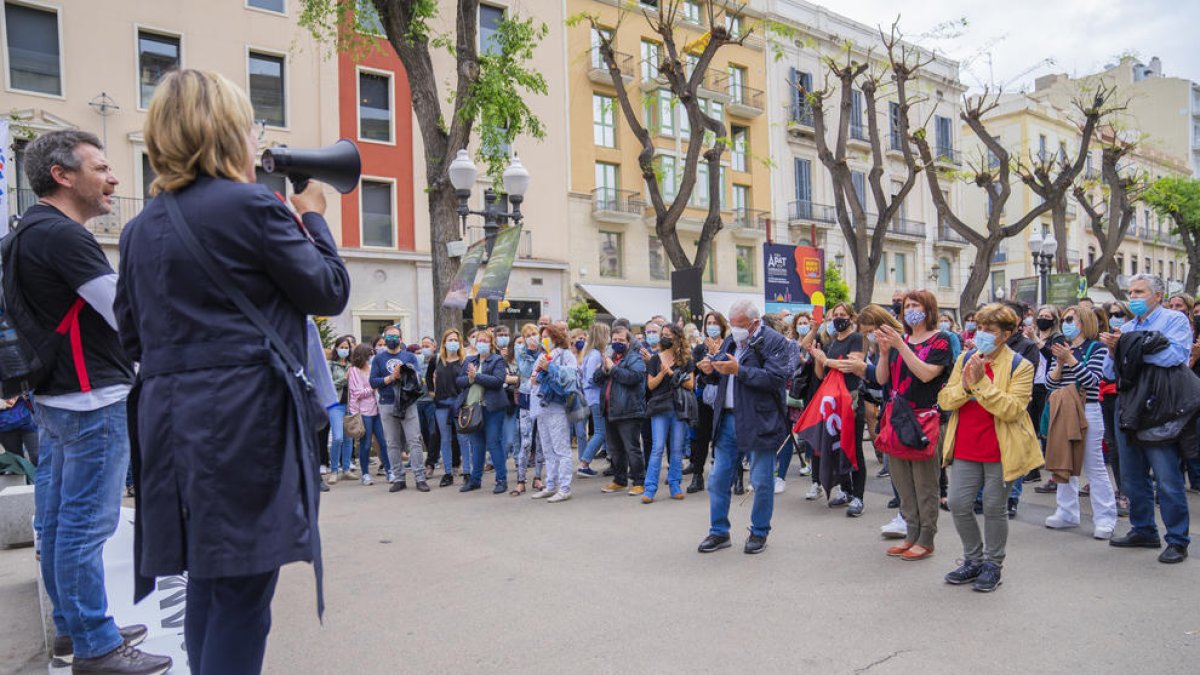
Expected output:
(325, 328)
(836, 288)
(1179, 199)
(580, 315)
(490, 89)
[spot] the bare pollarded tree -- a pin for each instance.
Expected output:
(1111, 213)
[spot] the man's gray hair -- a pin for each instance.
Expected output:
(1155, 282)
(746, 308)
(56, 148)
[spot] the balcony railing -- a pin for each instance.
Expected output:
(714, 85)
(749, 219)
(948, 235)
(598, 72)
(905, 227)
(858, 132)
(617, 201)
(652, 77)
(524, 247)
(123, 210)
(810, 211)
(747, 99)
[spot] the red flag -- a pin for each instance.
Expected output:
(828, 421)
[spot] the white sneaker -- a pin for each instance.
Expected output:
(806, 470)
(814, 492)
(544, 493)
(1058, 522)
(1102, 533)
(896, 529)
(324, 469)
(837, 497)
(332, 477)
(366, 480)
(780, 485)
(559, 497)
(391, 476)
(352, 474)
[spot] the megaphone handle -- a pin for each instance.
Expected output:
(299, 183)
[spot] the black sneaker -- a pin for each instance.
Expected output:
(422, 486)
(883, 473)
(893, 503)
(757, 543)
(447, 480)
(608, 472)
(714, 542)
(124, 660)
(399, 485)
(968, 572)
(989, 578)
(1012, 508)
(64, 648)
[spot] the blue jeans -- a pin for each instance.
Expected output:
(341, 448)
(664, 428)
(444, 420)
(374, 426)
(1137, 461)
(720, 481)
(489, 439)
(84, 457)
(784, 459)
(597, 440)
(510, 435)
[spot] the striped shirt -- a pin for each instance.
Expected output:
(1087, 372)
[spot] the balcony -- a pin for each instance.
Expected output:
(749, 222)
(1072, 210)
(598, 69)
(618, 207)
(714, 86)
(999, 257)
(745, 102)
(524, 247)
(858, 133)
(801, 212)
(895, 142)
(110, 224)
(948, 155)
(651, 78)
(902, 227)
(947, 237)
(800, 126)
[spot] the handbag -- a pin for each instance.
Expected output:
(908, 433)
(470, 413)
(353, 427)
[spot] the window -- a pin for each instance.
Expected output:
(607, 184)
(1147, 268)
(856, 115)
(660, 265)
(668, 182)
(157, 56)
(1091, 256)
(943, 273)
(737, 80)
(148, 176)
(34, 61)
(1160, 268)
(733, 23)
(650, 60)
(266, 89)
(859, 180)
(1042, 147)
(377, 228)
(597, 58)
(277, 183)
(998, 283)
(691, 11)
(745, 265)
(1133, 265)
(741, 200)
(611, 255)
(366, 18)
(881, 271)
(1062, 151)
(945, 138)
(1120, 258)
(804, 186)
(801, 113)
(894, 125)
(604, 120)
(900, 274)
(269, 5)
(737, 154)
(489, 28)
(374, 107)
(700, 189)
(666, 113)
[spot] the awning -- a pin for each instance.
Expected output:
(639, 303)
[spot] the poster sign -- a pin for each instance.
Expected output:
(794, 278)
(687, 295)
(1025, 291)
(464, 281)
(1064, 290)
(494, 284)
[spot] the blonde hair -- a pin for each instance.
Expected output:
(1089, 325)
(198, 123)
(444, 355)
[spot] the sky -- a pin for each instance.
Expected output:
(1081, 36)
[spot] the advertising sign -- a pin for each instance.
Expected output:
(1064, 289)
(794, 278)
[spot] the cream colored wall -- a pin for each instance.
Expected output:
(99, 54)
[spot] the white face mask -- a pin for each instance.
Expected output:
(740, 335)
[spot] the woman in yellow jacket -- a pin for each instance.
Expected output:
(990, 443)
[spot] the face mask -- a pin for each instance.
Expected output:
(483, 348)
(652, 339)
(713, 331)
(841, 324)
(740, 334)
(970, 325)
(343, 353)
(985, 342)
(871, 338)
(1028, 321)
(1116, 322)
(392, 341)
(896, 307)
(380, 350)
(914, 318)
(1045, 324)
(666, 343)
(531, 343)
(1070, 330)
(619, 348)
(452, 346)
(580, 344)
(1139, 307)
(803, 330)
(502, 341)
(943, 325)
(830, 329)
(547, 344)
(426, 352)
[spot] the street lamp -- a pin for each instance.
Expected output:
(1043, 249)
(462, 174)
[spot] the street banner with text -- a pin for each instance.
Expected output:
(464, 281)
(794, 278)
(494, 284)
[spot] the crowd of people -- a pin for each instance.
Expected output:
(1011, 396)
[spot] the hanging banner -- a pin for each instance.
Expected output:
(1064, 290)
(794, 278)
(494, 284)
(5, 141)
(460, 288)
(1025, 291)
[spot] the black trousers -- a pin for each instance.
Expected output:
(621, 437)
(647, 440)
(22, 441)
(702, 439)
(227, 622)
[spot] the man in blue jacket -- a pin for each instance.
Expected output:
(750, 416)
(385, 372)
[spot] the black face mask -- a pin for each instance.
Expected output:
(896, 307)
(841, 323)
(1044, 324)
(666, 343)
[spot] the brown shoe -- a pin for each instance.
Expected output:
(917, 553)
(899, 549)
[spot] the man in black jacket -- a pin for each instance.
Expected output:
(622, 380)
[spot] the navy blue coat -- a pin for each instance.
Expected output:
(490, 376)
(627, 398)
(759, 406)
(226, 478)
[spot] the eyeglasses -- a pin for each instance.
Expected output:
(1069, 319)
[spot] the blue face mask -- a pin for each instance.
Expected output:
(1070, 330)
(452, 346)
(502, 341)
(970, 325)
(985, 342)
(871, 338)
(914, 318)
(426, 352)
(619, 348)
(803, 330)
(652, 339)
(713, 331)
(343, 353)
(483, 348)
(830, 330)
(1139, 306)
(1115, 322)
(943, 325)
